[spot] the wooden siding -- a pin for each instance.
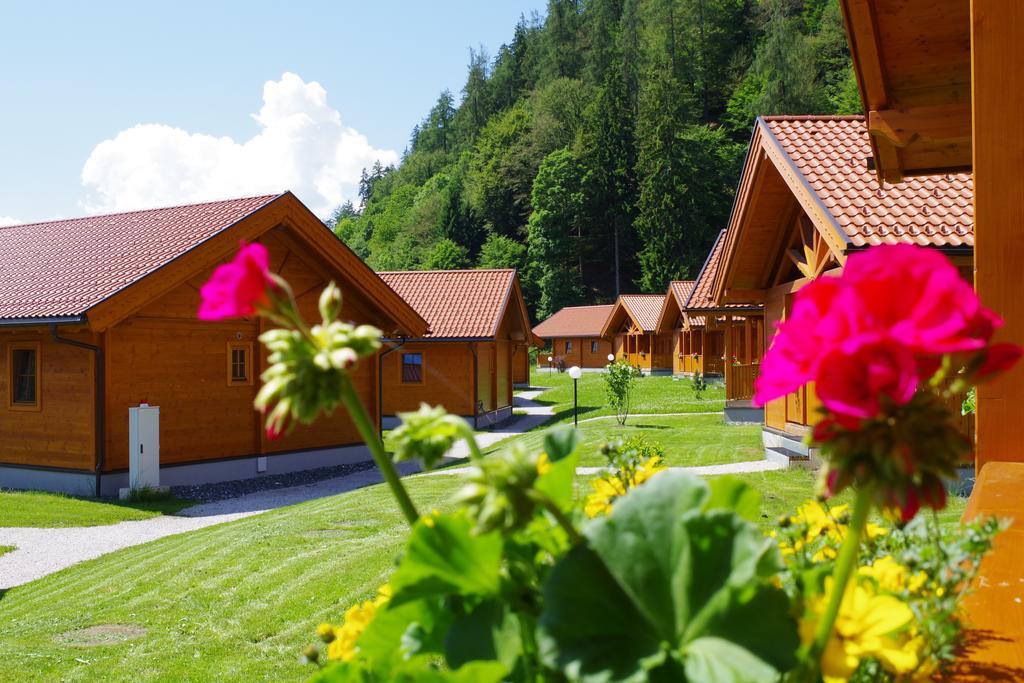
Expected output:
(581, 354)
(521, 363)
(447, 378)
(61, 433)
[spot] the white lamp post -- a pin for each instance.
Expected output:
(611, 357)
(575, 373)
(549, 364)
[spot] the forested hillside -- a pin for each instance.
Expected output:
(599, 150)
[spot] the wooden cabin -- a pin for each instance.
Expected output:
(573, 335)
(632, 326)
(942, 82)
(98, 314)
(806, 200)
(477, 321)
(686, 351)
(731, 336)
(521, 361)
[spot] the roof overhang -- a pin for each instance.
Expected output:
(53, 320)
(912, 59)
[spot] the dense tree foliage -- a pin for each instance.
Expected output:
(598, 150)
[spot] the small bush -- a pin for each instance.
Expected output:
(619, 378)
(698, 385)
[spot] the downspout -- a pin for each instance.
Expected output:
(380, 383)
(99, 398)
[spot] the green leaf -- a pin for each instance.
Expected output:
(411, 628)
(716, 659)
(444, 557)
(732, 493)
(414, 670)
(560, 442)
(663, 572)
(489, 632)
(559, 481)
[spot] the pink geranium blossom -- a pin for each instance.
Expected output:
(857, 376)
(236, 289)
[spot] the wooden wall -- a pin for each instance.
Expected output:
(520, 363)
(164, 355)
(61, 433)
(581, 353)
(447, 378)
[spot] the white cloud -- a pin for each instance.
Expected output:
(7, 220)
(302, 146)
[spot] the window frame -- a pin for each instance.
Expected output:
(568, 346)
(247, 348)
(423, 368)
(595, 346)
(37, 405)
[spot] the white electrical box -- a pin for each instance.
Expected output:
(144, 447)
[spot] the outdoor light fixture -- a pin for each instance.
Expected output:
(575, 373)
(549, 364)
(611, 357)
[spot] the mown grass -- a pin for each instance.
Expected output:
(4, 549)
(688, 440)
(40, 509)
(658, 394)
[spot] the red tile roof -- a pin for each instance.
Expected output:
(830, 153)
(575, 321)
(644, 309)
(456, 303)
(702, 296)
(681, 289)
(63, 268)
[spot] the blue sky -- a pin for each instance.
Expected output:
(76, 74)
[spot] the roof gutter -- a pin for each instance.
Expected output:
(52, 320)
(99, 398)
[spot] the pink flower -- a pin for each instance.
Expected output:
(823, 314)
(854, 375)
(998, 359)
(235, 289)
(919, 298)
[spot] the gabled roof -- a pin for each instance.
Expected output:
(460, 304)
(78, 269)
(641, 309)
(702, 297)
(575, 321)
(831, 154)
(675, 299)
(821, 165)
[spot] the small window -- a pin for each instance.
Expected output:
(568, 347)
(412, 368)
(23, 364)
(239, 364)
(594, 346)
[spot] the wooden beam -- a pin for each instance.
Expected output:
(935, 124)
(744, 296)
(997, 82)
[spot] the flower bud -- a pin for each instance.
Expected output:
(325, 632)
(311, 655)
(330, 303)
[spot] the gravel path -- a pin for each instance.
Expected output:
(702, 470)
(40, 552)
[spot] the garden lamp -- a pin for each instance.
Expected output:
(575, 373)
(550, 358)
(611, 357)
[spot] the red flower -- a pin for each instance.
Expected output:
(856, 374)
(998, 359)
(823, 314)
(235, 289)
(919, 298)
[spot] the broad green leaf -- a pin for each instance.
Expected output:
(411, 628)
(414, 670)
(489, 632)
(444, 557)
(716, 659)
(560, 442)
(731, 493)
(663, 572)
(558, 482)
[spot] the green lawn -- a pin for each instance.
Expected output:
(689, 440)
(240, 600)
(39, 509)
(659, 394)
(4, 549)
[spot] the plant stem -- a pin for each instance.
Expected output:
(559, 516)
(357, 412)
(846, 564)
(469, 436)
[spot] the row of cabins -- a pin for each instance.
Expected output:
(98, 315)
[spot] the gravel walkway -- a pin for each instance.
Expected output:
(701, 470)
(40, 552)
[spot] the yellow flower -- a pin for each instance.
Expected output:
(819, 521)
(357, 618)
(325, 632)
(868, 626)
(606, 490)
(893, 577)
(543, 464)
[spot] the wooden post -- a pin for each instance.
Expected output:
(997, 82)
(727, 363)
(703, 344)
(747, 342)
